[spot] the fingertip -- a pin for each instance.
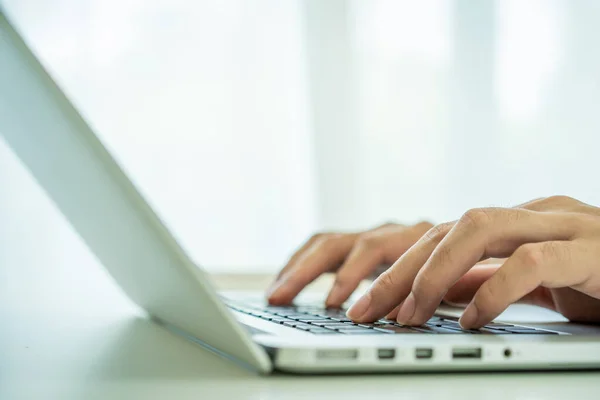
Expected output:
(468, 319)
(335, 298)
(277, 296)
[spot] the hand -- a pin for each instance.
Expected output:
(354, 256)
(553, 250)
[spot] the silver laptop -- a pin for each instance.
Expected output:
(43, 128)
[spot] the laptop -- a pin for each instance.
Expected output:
(68, 160)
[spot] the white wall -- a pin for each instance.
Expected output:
(248, 126)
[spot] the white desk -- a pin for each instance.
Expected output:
(68, 333)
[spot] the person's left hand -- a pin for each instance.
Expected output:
(553, 250)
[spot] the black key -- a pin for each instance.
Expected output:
(535, 333)
(368, 326)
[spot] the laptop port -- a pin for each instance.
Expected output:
(423, 353)
(386, 354)
(337, 354)
(466, 353)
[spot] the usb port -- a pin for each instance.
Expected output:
(466, 352)
(386, 354)
(423, 353)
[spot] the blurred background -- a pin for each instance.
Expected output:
(250, 124)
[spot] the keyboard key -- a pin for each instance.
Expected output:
(358, 331)
(324, 332)
(298, 325)
(280, 320)
(313, 318)
(341, 319)
(318, 329)
(336, 326)
(295, 316)
(435, 319)
(522, 330)
(395, 329)
(433, 330)
(498, 325)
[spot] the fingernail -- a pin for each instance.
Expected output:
(469, 317)
(407, 310)
(359, 308)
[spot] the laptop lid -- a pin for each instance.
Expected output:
(68, 160)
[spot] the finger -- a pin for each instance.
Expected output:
(370, 251)
(320, 257)
(392, 286)
(363, 259)
(550, 264)
(560, 203)
(464, 289)
(294, 258)
(392, 314)
(481, 233)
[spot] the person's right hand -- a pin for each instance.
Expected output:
(354, 256)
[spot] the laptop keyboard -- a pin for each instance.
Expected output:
(323, 321)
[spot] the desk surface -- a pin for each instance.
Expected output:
(69, 333)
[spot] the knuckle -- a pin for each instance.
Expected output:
(530, 255)
(370, 242)
(389, 224)
(317, 236)
(477, 217)
(386, 282)
(326, 242)
(438, 232)
(560, 199)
